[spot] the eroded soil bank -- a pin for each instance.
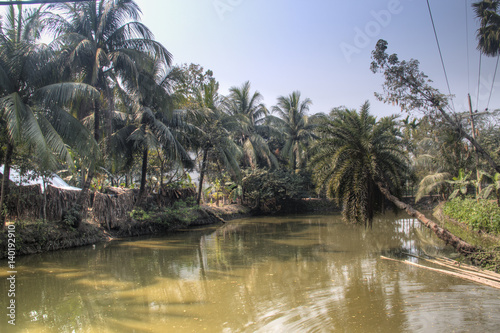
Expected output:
(37, 237)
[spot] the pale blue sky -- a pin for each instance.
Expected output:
(281, 46)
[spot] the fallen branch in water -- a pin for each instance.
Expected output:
(470, 276)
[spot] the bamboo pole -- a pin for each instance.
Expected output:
(460, 267)
(468, 277)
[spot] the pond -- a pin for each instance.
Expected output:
(308, 273)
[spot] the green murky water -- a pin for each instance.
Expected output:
(291, 274)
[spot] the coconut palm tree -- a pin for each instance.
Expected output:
(251, 114)
(295, 126)
(102, 43)
(214, 132)
(32, 104)
(154, 125)
(354, 152)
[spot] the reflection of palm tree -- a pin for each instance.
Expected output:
(296, 127)
(30, 103)
(353, 152)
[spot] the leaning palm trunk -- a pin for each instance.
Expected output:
(459, 244)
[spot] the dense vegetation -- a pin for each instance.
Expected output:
(102, 105)
(482, 215)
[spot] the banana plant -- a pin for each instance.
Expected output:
(493, 187)
(460, 183)
(235, 191)
(218, 194)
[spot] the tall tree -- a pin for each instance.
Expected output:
(31, 102)
(251, 113)
(354, 152)
(155, 124)
(103, 42)
(408, 87)
(214, 129)
(295, 125)
(488, 34)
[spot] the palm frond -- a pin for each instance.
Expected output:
(430, 182)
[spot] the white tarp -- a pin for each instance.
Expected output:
(54, 180)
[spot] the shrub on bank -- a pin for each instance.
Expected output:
(181, 212)
(481, 215)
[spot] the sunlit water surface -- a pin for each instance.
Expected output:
(271, 274)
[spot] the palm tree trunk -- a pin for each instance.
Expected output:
(5, 182)
(202, 174)
(144, 172)
(80, 203)
(82, 197)
(160, 189)
(459, 244)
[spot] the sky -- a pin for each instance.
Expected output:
(323, 48)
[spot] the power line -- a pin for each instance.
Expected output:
(36, 2)
(493, 82)
(479, 80)
(440, 53)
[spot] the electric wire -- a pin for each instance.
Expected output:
(479, 80)
(492, 83)
(440, 53)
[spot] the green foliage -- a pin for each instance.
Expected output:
(73, 216)
(297, 130)
(246, 108)
(140, 214)
(494, 187)
(182, 212)
(355, 152)
(235, 191)
(488, 38)
(479, 215)
(269, 191)
(460, 183)
(438, 153)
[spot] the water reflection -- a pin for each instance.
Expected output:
(293, 274)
